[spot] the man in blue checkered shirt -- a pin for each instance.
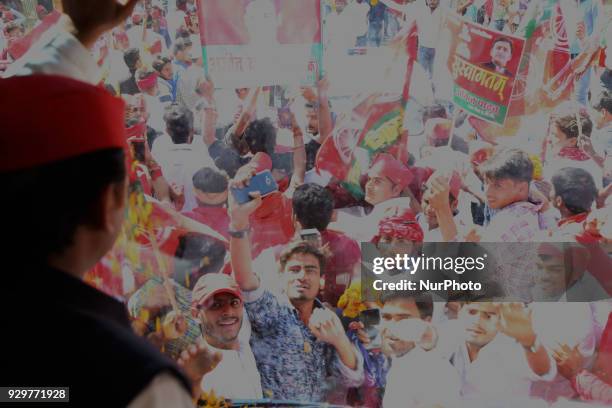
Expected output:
(300, 347)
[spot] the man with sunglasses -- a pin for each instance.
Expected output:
(217, 305)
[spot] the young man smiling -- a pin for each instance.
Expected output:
(296, 341)
(499, 353)
(217, 304)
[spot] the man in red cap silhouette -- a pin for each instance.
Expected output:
(62, 166)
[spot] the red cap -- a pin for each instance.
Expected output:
(481, 155)
(148, 82)
(211, 284)
(388, 166)
(400, 222)
(121, 35)
(67, 118)
(454, 183)
(438, 129)
(261, 162)
(137, 132)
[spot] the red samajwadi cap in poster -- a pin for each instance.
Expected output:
(48, 118)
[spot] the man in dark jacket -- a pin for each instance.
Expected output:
(66, 178)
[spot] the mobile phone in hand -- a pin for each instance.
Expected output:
(262, 182)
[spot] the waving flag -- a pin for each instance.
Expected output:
(374, 126)
(23, 44)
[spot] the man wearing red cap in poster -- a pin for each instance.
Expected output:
(71, 156)
(387, 178)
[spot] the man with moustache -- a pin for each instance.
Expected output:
(407, 339)
(499, 354)
(217, 304)
(501, 54)
(299, 345)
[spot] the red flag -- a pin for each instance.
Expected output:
(546, 75)
(22, 45)
(558, 72)
(375, 125)
(156, 48)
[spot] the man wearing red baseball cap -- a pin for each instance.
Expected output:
(62, 145)
(218, 305)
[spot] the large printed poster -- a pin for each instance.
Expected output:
(261, 42)
(483, 64)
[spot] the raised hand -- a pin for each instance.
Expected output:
(569, 360)
(198, 360)
(92, 18)
(359, 329)
(174, 326)
(515, 321)
(240, 213)
(326, 326)
(438, 193)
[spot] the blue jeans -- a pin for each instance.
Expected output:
(582, 94)
(374, 34)
(426, 59)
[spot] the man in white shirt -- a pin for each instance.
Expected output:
(153, 42)
(429, 15)
(181, 158)
(418, 376)
(497, 353)
(217, 304)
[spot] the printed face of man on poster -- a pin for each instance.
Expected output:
(501, 54)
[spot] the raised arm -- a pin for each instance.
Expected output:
(325, 118)
(240, 246)
(247, 113)
(299, 158)
(209, 113)
(438, 197)
(516, 322)
(92, 18)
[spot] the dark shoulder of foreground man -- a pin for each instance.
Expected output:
(59, 331)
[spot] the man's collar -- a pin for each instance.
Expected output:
(53, 286)
(317, 304)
